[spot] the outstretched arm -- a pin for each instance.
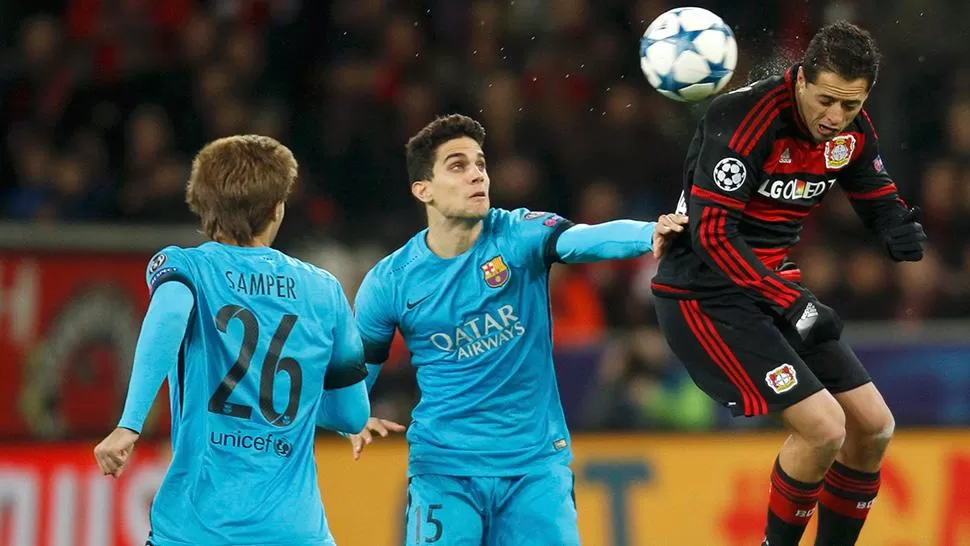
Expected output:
(618, 239)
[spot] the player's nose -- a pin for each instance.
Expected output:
(834, 116)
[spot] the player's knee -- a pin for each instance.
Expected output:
(829, 436)
(820, 422)
(877, 433)
(830, 440)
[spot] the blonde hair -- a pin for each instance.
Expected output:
(236, 183)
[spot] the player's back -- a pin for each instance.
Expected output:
(244, 398)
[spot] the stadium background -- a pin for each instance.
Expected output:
(103, 103)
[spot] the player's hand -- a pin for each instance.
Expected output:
(114, 452)
(814, 322)
(374, 425)
(668, 225)
(907, 241)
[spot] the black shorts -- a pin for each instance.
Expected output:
(737, 353)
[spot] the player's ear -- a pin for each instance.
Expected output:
(421, 190)
(279, 211)
(800, 78)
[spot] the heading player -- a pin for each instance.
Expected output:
(258, 347)
(489, 449)
(731, 305)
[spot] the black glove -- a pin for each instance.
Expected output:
(907, 241)
(813, 322)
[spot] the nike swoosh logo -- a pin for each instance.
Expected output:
(413, 304)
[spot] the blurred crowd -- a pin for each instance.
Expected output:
(103, 103)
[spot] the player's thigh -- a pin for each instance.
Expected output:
(836, 366)
(444, 511)
(734, 352)
(538, 509)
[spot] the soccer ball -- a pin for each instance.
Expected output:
(688, 54)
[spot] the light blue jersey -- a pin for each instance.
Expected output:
(265, 336)
(489, 448)
(479, 330)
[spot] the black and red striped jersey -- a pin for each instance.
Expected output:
(751, 176)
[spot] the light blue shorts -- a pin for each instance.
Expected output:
(537, 509)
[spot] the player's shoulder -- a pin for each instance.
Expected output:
(168, 257)
(499, 220)
(737, 104)
(171, 263)
(863, 124)
(309, 270)
(397, 264)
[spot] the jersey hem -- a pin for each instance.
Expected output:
(426, 468)
(155, 541)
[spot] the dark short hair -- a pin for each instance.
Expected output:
(236, 183)
(422, 147)
(845, 49)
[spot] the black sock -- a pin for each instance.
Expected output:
(844, 504)
(791, 504)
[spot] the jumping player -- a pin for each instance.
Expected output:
(731, 305)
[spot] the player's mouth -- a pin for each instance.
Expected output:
(478, 195)
(825, 130)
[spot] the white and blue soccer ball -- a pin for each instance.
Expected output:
(688, 54)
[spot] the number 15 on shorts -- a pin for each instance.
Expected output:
(425, 528)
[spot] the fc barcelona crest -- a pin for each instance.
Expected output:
(495, 272)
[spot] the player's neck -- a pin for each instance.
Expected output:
(450, 238)
(257, 241)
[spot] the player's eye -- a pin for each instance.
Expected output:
(481, 165)
(825, 101)
(457, 166)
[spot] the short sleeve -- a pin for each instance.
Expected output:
(376, 320)
(347, 362)
(533, 235)
(169, 264)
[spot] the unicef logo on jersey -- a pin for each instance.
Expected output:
(283, 447)
(480, 334)
(259, 444)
